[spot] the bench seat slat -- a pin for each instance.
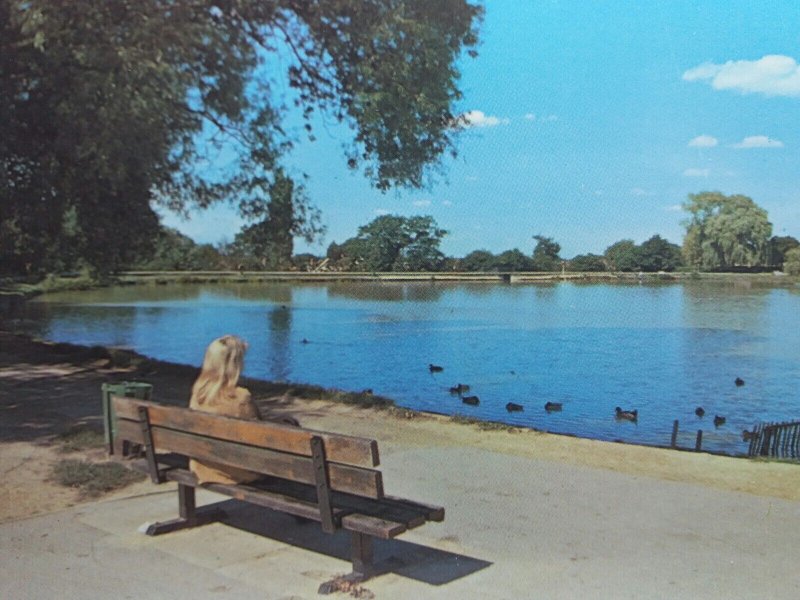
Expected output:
(350, 450)
(395, 511)
(431, 512)
(373, 517)
(273, 500)
(373, 526)
(354, 480)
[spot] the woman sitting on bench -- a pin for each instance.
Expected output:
(215, 391)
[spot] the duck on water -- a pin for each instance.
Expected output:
(626, 415)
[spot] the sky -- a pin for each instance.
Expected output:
(590, 122)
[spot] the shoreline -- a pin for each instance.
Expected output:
(124, 357)
(48, 388)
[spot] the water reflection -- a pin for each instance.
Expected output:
(725, 306)
(279, 353)
(387, 291)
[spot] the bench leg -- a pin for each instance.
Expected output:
(189, 516)
(361, 556)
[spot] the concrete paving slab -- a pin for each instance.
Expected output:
(59, 556)
(515, 528)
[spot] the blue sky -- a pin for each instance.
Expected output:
(591, 122)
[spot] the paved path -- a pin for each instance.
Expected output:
(515, 528)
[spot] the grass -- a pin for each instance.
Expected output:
(80, 439)
(484, 425)
(93, 479)
(365, 399)
(52, 283)
(774, 459)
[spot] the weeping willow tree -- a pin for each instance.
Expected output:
(725, 231)
(109, 106)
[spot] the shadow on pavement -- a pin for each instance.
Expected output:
(407, 559)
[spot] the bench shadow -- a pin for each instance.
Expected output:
(407, 559)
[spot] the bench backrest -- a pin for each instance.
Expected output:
(263, 447)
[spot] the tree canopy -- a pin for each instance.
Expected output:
(107, 106)
(393, 243)
(779, 246)
(269, 243)
(478, 260)
(173, 251)
(791, 262)
(622, 256)
(587, 263)
(545, 254)
(725, 231)
(657, 254)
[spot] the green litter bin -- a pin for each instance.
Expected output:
(128, 389)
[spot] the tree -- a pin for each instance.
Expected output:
(478, 260)
(587, 263)
(109, 105)
(657, 254)
(173, 251)
(545, 254)
(395, 243)
(725, 231)
(623, 256)
(512, 260)
(779, 246)
(791, 262)
(288, 215)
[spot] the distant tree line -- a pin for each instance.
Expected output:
(722, 233)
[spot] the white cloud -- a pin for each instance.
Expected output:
(447, 203)
(640, 192)
(540, 119)
(382, 211)
(472, 178)
(759, 141)
(421, 203)
(696, 172)
(477, 118)
(674, 208)
(771, 75)
(704, 141)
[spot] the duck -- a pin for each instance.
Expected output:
(459, 388)
(435, 368)
(699, 411)
(553, 406)
(748, 435)
(718, 420)
(739, 382)
(513, 407)
(471, 400)
(627, 415)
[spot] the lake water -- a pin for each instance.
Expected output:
(661, 349)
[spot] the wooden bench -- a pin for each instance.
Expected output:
(321, 476)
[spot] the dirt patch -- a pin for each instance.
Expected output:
(50, 391)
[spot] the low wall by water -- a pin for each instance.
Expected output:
(498, 277)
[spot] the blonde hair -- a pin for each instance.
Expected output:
(219, 375)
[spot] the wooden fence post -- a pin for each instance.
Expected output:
(699, 443)
(674, 441)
